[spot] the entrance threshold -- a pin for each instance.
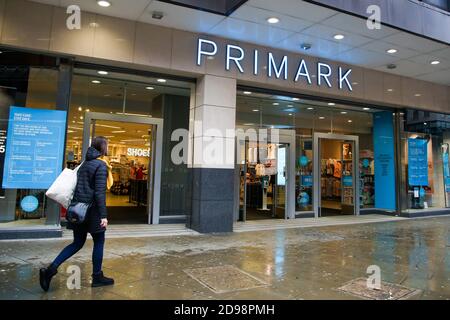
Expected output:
(312, 222)
(430, 212)
(142, 231)
(14, 232)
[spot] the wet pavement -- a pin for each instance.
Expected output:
(281, 264)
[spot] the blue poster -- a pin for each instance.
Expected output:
(384, 164)
(347, 181)
(307, 181)
(417, 162)
(34, 149)
(446, 169)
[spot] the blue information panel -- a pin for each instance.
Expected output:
(384, 156)
(34, 149)
(417, 162)
(446, 168)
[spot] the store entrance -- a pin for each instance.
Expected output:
(264, 181)
(133, 155)
(335, 171)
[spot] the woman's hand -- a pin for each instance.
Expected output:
(104, 223)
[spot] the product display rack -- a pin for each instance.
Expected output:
(347, 191)
(367, 184)
(304, 191)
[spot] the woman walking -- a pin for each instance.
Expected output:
(94, 176)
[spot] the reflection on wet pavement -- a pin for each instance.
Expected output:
(294, 263)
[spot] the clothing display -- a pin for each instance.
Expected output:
(337, 173)
(260, 170)
(254, 194)
(331, 187)
(121, 177)
(138, 192)
(367, 180)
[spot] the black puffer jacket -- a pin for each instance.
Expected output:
(91, 188)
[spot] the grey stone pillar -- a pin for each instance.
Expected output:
(212, 154)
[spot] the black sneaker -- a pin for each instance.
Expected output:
(99, 280)
(45, 277)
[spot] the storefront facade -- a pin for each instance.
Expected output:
(208, 131)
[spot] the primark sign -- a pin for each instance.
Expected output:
(277, 68)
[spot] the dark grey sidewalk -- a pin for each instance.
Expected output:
(282, 264)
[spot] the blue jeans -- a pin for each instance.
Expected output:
(79, 239)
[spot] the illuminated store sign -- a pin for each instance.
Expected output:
(277, 68)
(136, 152)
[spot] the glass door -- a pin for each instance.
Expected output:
(134, 151)
(242, 179)
(348, 177)
(130, 154)
(281, 181)
(263, 178)
(337, 187)
(445, 149)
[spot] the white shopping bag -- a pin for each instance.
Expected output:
(63, 188)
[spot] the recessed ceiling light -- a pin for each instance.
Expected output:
(390, 90)
(104, 3)
(247, 92)
(295, 99)
(273, 20)
(338, 36)
(355, 83)
(157, 15)
(306, 46)
(349, 121)
(391, 51)
(162, 80)
(417, 95)
(435, 62)
(425, 123)
(96, 82)
(88, 110)
(276, 104)
(255, 110)
(366, 109)
(310, 108)
(80, 109)
(343, 112)
(103, 73)
(149, 88)
(321, 118)
(331, 104)
(290, 114)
